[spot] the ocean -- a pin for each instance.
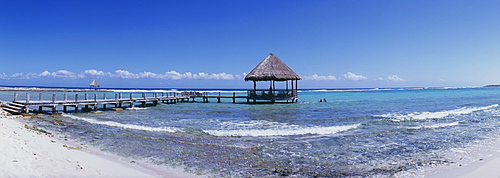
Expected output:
(367, 132)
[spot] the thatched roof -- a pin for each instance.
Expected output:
(94, 84)
(272, 68)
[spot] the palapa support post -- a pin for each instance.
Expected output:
(116, 97)
(27, 97)
(54, 98)
(296, 90)
(65, 97)
(40, 96)
(15, 96)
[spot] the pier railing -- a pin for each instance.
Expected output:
(28, 99)
(272, 94)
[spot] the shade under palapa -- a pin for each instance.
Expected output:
(95, 84)
(272, 68)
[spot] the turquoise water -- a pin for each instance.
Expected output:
(358, 132)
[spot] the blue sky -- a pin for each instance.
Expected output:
(213, 43)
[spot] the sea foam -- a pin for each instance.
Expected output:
(136, 108)
(281, 130)
(435, 126)
(126, 126)
(434, 115)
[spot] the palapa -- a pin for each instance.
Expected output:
(94, 84)
(272, 68)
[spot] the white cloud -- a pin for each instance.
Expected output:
(3, 76)
(45, 74)
(24, 76)
(147, 75)
(240, 77)
(124, 74)
(64, 74)
(395, 78)
(352, 76)
(18, 75)
(318, 77)
(95, 73)
(174, 75)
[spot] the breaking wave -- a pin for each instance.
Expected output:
(136, 108)
(434, 115)
(277, 129)
(126, 126)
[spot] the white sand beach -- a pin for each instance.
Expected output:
(484, 168)
(29, 153)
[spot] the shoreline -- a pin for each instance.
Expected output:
(484, 168)
(482, 163)
(29, 152)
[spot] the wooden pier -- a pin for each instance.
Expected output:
(206, 96)
(89, 104)
(86, 103)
